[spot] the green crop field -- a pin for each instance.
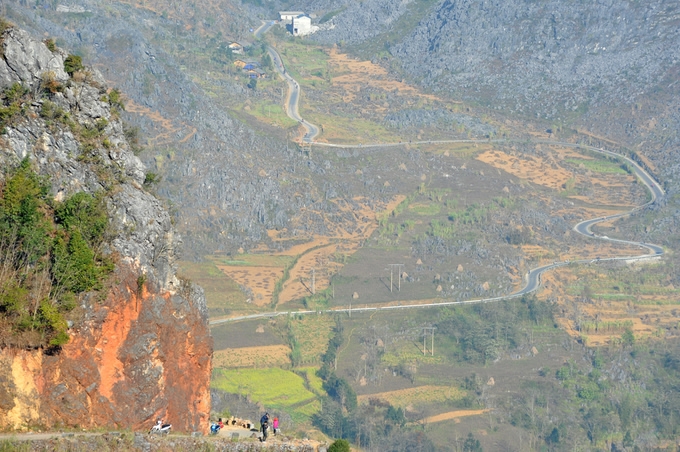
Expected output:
(349, 130)
(306, 63)
(276, 388)
(311, 335)
(425, 209)
(599, 166)
(272, 112)
(314, 383)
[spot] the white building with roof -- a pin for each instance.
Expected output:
(288, 16)
(302, 25)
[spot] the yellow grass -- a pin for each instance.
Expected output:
(261, 280)
(264, 356)
(351, 74)
(529, 167)
(416, 396)
(312, 334)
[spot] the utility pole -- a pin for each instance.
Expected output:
(399, 267)
(428, 330)
(313, 282)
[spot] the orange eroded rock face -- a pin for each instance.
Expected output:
(135, 357)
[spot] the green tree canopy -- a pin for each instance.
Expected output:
(72, 64)
(339, 445)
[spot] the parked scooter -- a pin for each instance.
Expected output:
(160, 428)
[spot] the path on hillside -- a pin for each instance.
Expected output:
(533, 277)
(294, 92)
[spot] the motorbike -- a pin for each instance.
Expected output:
(160, 428)
(214, 429)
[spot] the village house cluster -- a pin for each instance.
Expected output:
(296, 22)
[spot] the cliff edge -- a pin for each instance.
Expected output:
(139, 346)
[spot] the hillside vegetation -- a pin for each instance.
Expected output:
(50, 255)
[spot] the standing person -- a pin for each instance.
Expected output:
(265, 430)
(264, 425)
(264, 419)
(275, 425)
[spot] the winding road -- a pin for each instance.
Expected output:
(533, 277)
(293, 97)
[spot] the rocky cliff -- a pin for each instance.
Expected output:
(139, 348)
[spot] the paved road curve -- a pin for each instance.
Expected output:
(293, 97)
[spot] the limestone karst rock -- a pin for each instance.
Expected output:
(140, 348)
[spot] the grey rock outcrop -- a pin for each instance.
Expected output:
(27, 61)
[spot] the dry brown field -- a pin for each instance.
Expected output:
(350, 74)
(420, 395)
(263, 356)
(324, 254)
(650, 310)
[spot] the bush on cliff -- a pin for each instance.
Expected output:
(72, 64)
(11, 99)
(50, 253)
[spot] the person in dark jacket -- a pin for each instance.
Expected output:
(264, 426)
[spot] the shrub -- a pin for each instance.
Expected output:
(132, 136)
(12, 99)
(50, 112)
(115, 99)
(151, 179)
(72, 64)
(51, 45)
(50, 84)
(339, 445)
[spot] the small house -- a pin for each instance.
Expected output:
(240, 64)
(236, 48)
(288, 16)
(302, 25)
